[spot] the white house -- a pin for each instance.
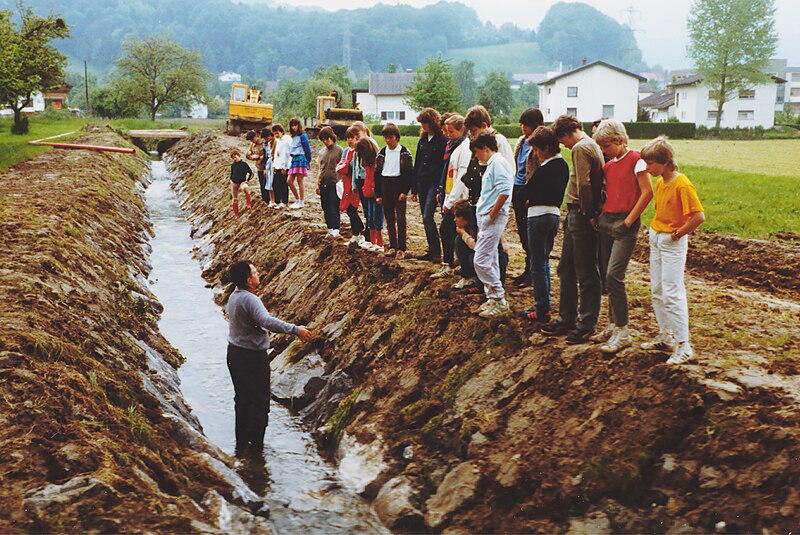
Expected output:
(592, 91)
(658, 106)
(37, 104)
(384, 99)
(792, 90)
(229, 76)
(694, 103)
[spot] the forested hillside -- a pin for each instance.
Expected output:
(265, 42)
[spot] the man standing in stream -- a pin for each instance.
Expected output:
(248, 342)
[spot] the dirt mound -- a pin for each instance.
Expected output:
(86, 443)
(496, 428)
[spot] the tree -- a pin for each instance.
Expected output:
(28, 63)
(496, 93)
(433, 87)
(157, 72)
(731, 43)
(464, 75)
(528, 95)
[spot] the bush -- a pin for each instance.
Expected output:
(405, 129)
(21, 127)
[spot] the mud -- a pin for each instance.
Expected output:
(489, 426)
(94, 436)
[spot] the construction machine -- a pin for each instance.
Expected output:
(329, 114)
(246, 111)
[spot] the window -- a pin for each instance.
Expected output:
(796, 77)
(713, 94)
(746, 115)
(677, 99)
(401, 115)
(572, 91)
(795, 92)
(393, 115)
(572, 111)
(712, 115)
(608, 111)
(384, 115)
(747, 94)
(549, 90)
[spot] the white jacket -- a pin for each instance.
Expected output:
(282, 159)
(459, 161)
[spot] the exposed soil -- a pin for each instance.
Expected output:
(78, 335)
(560, 437)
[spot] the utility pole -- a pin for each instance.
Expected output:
(86, 87)
(347, 50)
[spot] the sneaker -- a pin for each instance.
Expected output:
(375, 248)
(522, 281)
(280, 205)
(428, 257)
(364, 244)
(495, 308)
(662, 342)
(272, 204)
(486, 304)
(531, 315)
(296, 205)
(558, 328)
(353, 240)
(444, 272)
(390, 252)
(683, 352)
(604, 335)
(618, 341)
(579, 336)
(400, 255)
(464, 282)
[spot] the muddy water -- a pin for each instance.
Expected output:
(303, 491)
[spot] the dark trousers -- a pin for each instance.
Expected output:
(466, 258)
(578, 272)
(447, 230)
(427, 205)
(330, 205)
(616, 248)
(249, 371)
(356, 225)
(542, 232)
(280, 186)
(394, 211)
(521, 219)
(262, 181)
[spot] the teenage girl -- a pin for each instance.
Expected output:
(300, 153)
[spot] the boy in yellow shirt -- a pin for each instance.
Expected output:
(678, 214)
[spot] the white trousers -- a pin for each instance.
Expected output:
(487, 262)
(667, 265)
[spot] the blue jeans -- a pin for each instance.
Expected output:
(427, 205)
(579, 273)
(330, 205)
(541, 235)
(373, 213)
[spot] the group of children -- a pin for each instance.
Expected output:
(468, 172)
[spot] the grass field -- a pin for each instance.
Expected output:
(513, 57)
(15, 149)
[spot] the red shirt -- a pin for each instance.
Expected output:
(622, 188)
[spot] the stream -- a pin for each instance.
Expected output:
(303, 490)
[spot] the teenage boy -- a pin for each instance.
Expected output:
(328, 179)
(240, 173)
(478, 120)
(394, 171)
(267, 192)
(578, 268)
(492, 214)
(525, 160)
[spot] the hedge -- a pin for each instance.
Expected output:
(635, 130)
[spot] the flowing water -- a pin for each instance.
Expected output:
(302, 489)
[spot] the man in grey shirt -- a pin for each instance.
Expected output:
(248, 342)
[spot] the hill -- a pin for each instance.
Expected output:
(509, 57)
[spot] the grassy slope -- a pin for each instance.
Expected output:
(513, 57)
(14, 149)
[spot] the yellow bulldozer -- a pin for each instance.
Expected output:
(246, 111)
(329, 114)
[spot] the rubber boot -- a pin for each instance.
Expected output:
(236, 210)
(247, 198)
(379, 235)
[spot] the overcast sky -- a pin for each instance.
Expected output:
(660, 24)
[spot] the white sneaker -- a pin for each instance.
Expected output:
(335, 232)
(619, 340)
(496, 307)
(464, 282)
(604, 335)
(376, 248)
(272, 204)
(364, 244)
(683, 352)
(662, 342)
(444, 272)
(280, 205)
(296, 205)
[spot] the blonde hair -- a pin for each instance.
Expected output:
(456, 121)
(611, 131)
(659, 150)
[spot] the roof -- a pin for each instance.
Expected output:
(693, 79)
(589, 66)
(390, 83)
(660, 100)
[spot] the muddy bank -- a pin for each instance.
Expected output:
(457, 423)
(95, 435)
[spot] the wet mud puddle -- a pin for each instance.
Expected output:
(303, 491)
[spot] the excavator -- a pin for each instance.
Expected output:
(246, 111)
(329, 114)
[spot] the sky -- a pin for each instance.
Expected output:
(660, 24)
